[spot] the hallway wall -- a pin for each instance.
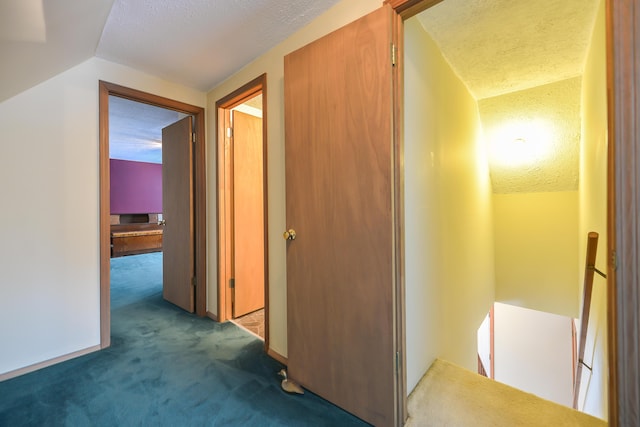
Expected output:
(50, 297)
(448, 226)
(593, 217)
(536, 244)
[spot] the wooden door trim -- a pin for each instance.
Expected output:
(408, 8)
(223, 106)
(623, 219)
(397, 153)
(623, 71)
(104, 90)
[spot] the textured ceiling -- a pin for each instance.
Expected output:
(199, 43)
(495, 46)
(522, 61)
(501, 46)
(533, 138)
(42, 38)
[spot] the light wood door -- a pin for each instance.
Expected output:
(248, 214)
(177, 212)
(340, 274)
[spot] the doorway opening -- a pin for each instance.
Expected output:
(136, 198)
(243, 277)
(197, 194)
(489, 106)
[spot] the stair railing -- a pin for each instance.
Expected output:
(589, 271)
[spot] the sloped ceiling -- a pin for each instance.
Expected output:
(522, 61)
(197, 43)
(533, 138)
(502, 46)
(42, 38)
(495, 46)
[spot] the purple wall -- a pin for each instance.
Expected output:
(136, 187)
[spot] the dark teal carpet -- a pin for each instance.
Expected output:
(165, 367)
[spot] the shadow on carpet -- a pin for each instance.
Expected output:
(165, 367)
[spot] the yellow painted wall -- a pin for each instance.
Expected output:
(537, 250)
(271, 63)
(448, 226)
(593, 216)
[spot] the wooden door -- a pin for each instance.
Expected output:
(177, 212)
(340, 273)
(248, 214)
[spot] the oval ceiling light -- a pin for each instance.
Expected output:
(519, 143)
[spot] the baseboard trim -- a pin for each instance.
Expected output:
(280, 358)
(212, 316)
(47, 363)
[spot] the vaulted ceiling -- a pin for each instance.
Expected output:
(197, 43)
(503, 46)
(523, 62)
(495, 46)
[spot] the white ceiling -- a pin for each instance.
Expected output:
(522, 60)
(197, 43)
(42, 38)
(502, 46)
(495, 46)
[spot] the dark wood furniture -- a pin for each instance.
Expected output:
(135, 234)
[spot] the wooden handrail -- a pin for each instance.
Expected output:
(589, 270)
(481, 369)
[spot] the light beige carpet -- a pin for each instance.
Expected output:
(449, 395)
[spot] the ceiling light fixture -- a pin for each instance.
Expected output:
(519, 143)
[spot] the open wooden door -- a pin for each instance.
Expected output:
(339, 180)
(177, 212)
(248, 217)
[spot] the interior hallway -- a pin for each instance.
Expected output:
(164, 367)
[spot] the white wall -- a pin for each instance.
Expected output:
(536, 244)
(448, 226)
(272, 63)
(593, 217)
(533, 352)
(49, 300)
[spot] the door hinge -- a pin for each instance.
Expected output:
(193, 281)
(232, 283)
(397, 362)
(193, 137)
(394, 52)
(614, 260)
(229, 132)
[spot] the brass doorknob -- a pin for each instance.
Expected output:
(289, 234)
